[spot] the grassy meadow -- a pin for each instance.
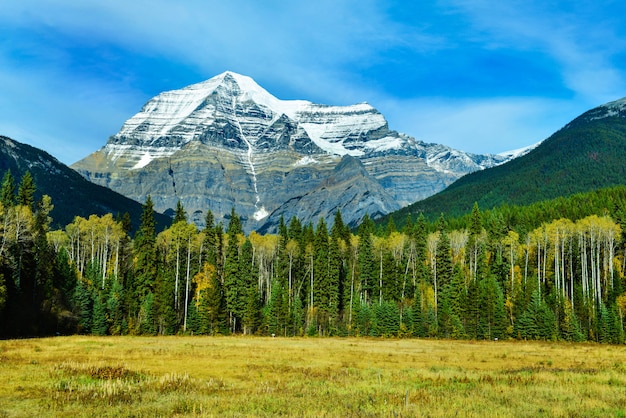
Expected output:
(254, 376)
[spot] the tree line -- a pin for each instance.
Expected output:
(482, 278)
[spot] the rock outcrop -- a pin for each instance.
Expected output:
(227, 143)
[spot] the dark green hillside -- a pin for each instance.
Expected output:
(587, 154)
(71, 194)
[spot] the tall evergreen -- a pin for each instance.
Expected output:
(419, 235)
(235, 288)
(212, 308)
(99, 319)
(443, 259)
(367, 265)
(147, 321)
(145, 253)
(7, 192)
(321, 283)
(252, 310)
(538, 321)
(179, 214)
(339, 254)
(26, 191)
(492, 322)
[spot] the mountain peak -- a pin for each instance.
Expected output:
(616, 108)
(227, 142)
(240, 85)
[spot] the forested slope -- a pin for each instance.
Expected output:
(71, 194)
(588, 154)
(487, 275)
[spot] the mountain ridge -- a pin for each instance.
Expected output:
(584, 155)
(71, 194)
(265, 151)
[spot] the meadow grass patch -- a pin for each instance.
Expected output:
(243, 376)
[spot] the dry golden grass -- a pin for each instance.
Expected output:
(238, 376)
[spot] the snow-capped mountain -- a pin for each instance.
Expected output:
(227, 142)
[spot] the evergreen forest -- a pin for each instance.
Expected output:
(552, 271)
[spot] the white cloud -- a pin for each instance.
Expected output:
(318, 51)
(582, 37)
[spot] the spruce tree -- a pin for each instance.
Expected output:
(26, 191)
(336, 281)
(277, 310)
(321, 283)
(252, 314)
(367, 265)
(537, 322)
(145, 253)
(386, 320)
(82, 306)
(236, 273)
(179, 214)
(212, 308)
(99, 320)
(147, 323)
(164, 310)
(7, 193)
(114, 308)
(419, 235)
(492, 322)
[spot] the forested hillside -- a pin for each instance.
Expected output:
(586, 155)
(488, 275)
(71, 193)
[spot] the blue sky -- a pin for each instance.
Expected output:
(481, 76)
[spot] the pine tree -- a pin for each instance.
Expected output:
(82, 304)
(492, 322)
(145, 253)
(7, 193)
(277, 310)
(386, 320)
(211, 307)
(126, 222)
(193, 319)
(147, 323)
(236, 273)
(364, 318)
(472, 309)
(114, 308)
(416, 320)
(179, 214)
(165, 314)
(570, 326)
(234, 224)
(452, 306)
(367, 267)
(99, 320)
(252, 313)
(419, 235)
(321, 284)
(538, 321)
(26, 191)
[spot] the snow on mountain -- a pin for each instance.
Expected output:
(509, 155)
(616, 108)
(257, 151)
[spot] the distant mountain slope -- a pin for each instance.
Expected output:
(587, 154)
(227, 142)
(71, 194)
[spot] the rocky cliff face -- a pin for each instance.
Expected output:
(227, 142)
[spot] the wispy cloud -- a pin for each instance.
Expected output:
(586, 39)
(487, 125)
(479, 75)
